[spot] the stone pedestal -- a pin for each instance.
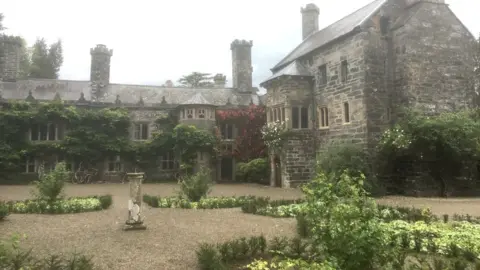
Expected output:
(135, 219)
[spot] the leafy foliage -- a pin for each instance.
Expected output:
(255, 171)
(4, 211)
(275, 134)
(197, 186)
(46, 60)
(445, 145)
(196, 80)
(342, 215)
(70, 205)
(50, 186)
(249, 121)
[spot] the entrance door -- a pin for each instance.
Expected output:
(278, 172)
(226, 170)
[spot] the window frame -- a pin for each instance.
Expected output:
(116, 161)
(323, 117)
(167, 161)
(344, 71)
(346, 113)
(47, 128)
(138, 127)
(302, 112)
(323, 75)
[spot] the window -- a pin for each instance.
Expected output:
(141, 131)
(283, 114)
(389, 114)
(114, 164)
(323, 117)
(189, 113)
(212, 113)
(275, 116)
(46, 132)
(30, 166)
(322, 75)
(227, 131)
(344, 71)
(270, 114)
(167, 161)
(299, 117)
(227, 149)
(346, 112)
(183, 114)
(70, 165)
(201, 113)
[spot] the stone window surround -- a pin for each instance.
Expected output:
(346, 113)
(138, 131)
(276, 113)
(47, 134)
(167, 161)
(344, 71)
(196, 112)
(32, 161)
(114, 164)
(224, 131)
(322, 77)
(323, 117)
(301, 108)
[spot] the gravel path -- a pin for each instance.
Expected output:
(171, 237)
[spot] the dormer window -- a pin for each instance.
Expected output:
(189, 113)
(201, 113)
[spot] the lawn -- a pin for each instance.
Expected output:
(172, 234)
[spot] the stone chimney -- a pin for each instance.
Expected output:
(100, 66)
(309, 20)
(242, 65)
(9, 58)
(220, 80)
(169, 83)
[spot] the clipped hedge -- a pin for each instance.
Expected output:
(254, 171)
(4, 212)
(67, 206)
(204, 203)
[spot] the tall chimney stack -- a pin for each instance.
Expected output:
(242, 65)
(309, 20)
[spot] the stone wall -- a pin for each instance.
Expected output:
(336, 92)
(434, 60)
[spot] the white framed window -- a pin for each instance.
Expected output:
(114, 164)
(212, 113)
(30, 165)
(300, 117)
(44, 132)
(201, 113)
(190, 113)
(323, 117)
(140, 131)
(167, 161)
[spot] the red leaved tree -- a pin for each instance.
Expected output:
(249, 122)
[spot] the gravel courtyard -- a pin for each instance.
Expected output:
(172, 235)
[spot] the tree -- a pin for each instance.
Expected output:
(25, 60)
(196, 79)
(46, 61)
(1, 22)
(476, 59)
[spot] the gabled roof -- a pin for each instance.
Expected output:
(331, 33)
(197, 99)
(295, 68)
(46, 89)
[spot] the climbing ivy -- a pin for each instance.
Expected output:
(91, 134)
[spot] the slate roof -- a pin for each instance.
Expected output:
(44, 89)
(295, 68)
(331, 33)
(197, 99)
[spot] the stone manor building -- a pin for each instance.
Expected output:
(347, 82)
(192, 106)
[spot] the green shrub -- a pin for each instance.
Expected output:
(203, 203)
(4, 212)
(71, 205)
(13, 257)
(50, 186)
(343, 156)
(208, 257)
(302, 226)
(105, 201)
(342, 215)
(196, 186)
(254, 171)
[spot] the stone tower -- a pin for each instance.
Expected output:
(100, 66)
(242, 64)
(9, 58)
(309, 20)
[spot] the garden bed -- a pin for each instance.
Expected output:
(66, 206)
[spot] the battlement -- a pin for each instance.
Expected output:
(310, 8)
(101, 49)
(241, 43)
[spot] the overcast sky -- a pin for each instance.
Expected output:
(154, 41)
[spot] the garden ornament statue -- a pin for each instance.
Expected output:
(135, 219)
